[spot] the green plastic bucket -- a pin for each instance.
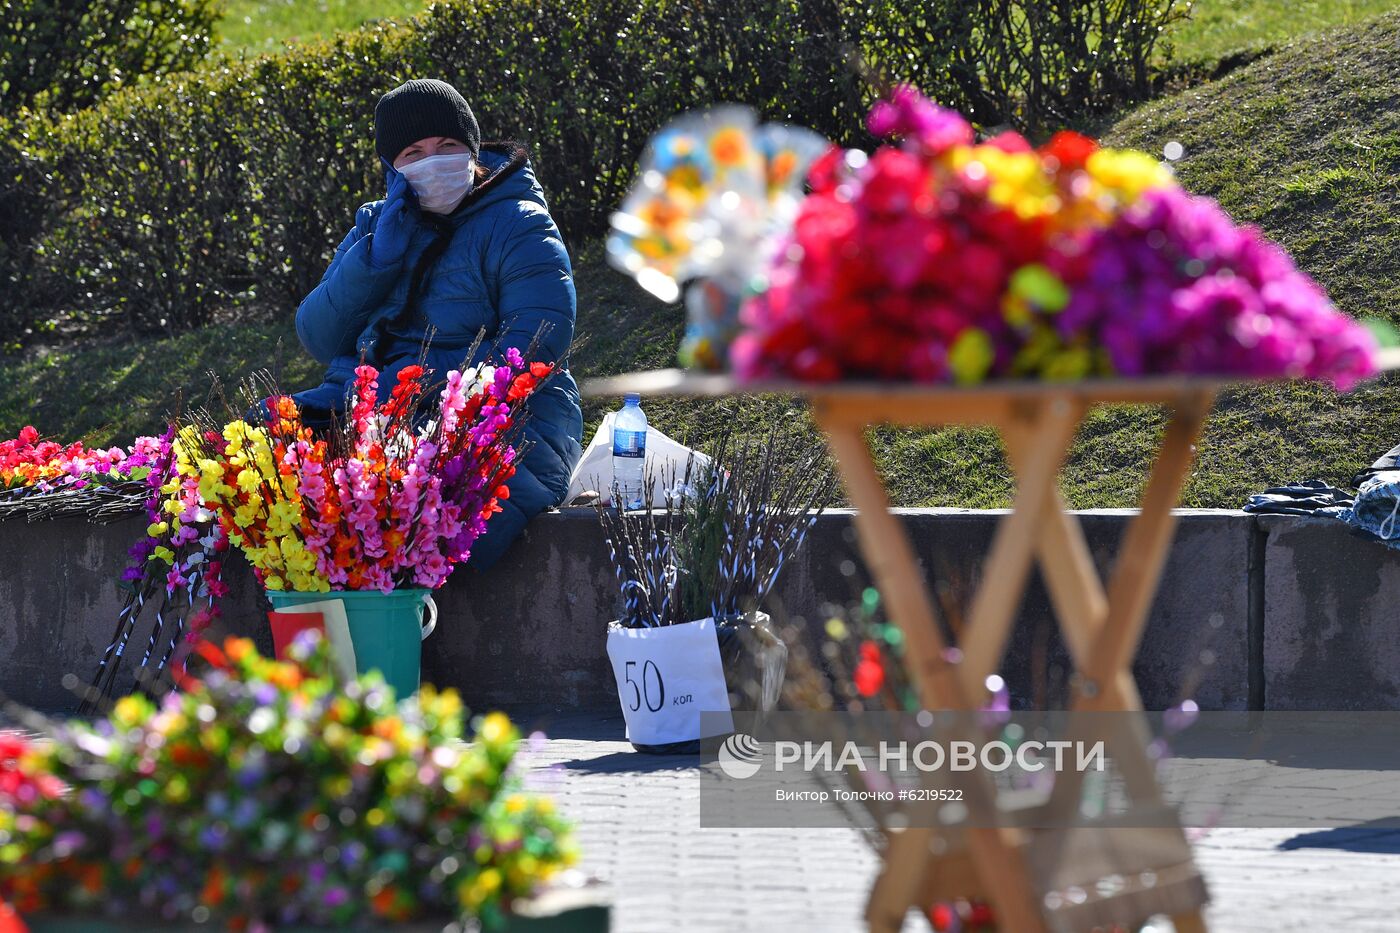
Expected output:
(387, 629)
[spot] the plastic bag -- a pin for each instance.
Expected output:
(665, 466)
(746, 674)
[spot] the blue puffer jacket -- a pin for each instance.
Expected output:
(505, 269)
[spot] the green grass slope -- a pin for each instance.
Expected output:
(1306, 144)
(1216, 29)
(265, 25)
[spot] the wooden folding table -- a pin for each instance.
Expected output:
(1102, 626)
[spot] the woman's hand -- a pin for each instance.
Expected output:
(395, 222)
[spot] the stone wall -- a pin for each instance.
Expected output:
(1272, 612)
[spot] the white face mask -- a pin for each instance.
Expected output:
(441, 181)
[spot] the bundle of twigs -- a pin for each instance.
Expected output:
(718, 543)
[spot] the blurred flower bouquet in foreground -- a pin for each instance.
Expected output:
(943, 259)
(270, 793)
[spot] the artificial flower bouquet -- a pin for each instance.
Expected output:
(272, 793)
(28, 460)
(388, 501)
(940, 258)
(43, 479)
(394, 498)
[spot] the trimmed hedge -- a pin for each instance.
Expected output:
(66, 54)
(164, 205)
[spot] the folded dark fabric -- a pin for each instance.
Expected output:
(1310, 497)
(1389, 461)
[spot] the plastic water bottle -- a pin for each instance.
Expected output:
(630, 453)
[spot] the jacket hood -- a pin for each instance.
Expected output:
(512, 179)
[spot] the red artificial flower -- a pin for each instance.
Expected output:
(827, 171)
(10, 922)
(521, 387)
(18, 784)
(213, 655)
(1069, 149)
(1010, 141)
(941, 917)
(870, 672)
(981, 917)
(822, 225)
(895, 180)
(408, 388)
(189, 756)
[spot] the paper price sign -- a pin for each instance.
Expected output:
(665, 677)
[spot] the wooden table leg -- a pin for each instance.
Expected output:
(1102, 629)
(1047, 428)
(1143, 554)
(897, 885)
(1136, 576)
(885, 546)
(1191, 922)
(1076, 593)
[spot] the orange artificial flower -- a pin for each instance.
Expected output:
(286, 676)
(213, 893)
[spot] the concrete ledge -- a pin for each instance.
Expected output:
(1332, 605)
(1195, 644)
(530, 631)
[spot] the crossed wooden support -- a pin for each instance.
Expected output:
(1016, 867)
(1101, 629)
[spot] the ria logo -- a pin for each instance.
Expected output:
(740, 756)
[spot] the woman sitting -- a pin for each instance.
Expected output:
(462, 242)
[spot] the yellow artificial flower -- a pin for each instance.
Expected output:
(479, 889)
(1125, 174)
(247, 514)
(496, 727)
(249, 481)
(130, 710)
(971, 356)
(1069, 364)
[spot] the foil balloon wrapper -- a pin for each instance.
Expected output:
(715, 192)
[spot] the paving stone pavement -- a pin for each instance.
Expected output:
(637, 819)
(638, 822)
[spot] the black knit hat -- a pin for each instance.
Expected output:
(421, 108)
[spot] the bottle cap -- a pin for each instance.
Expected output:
(632, 398)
